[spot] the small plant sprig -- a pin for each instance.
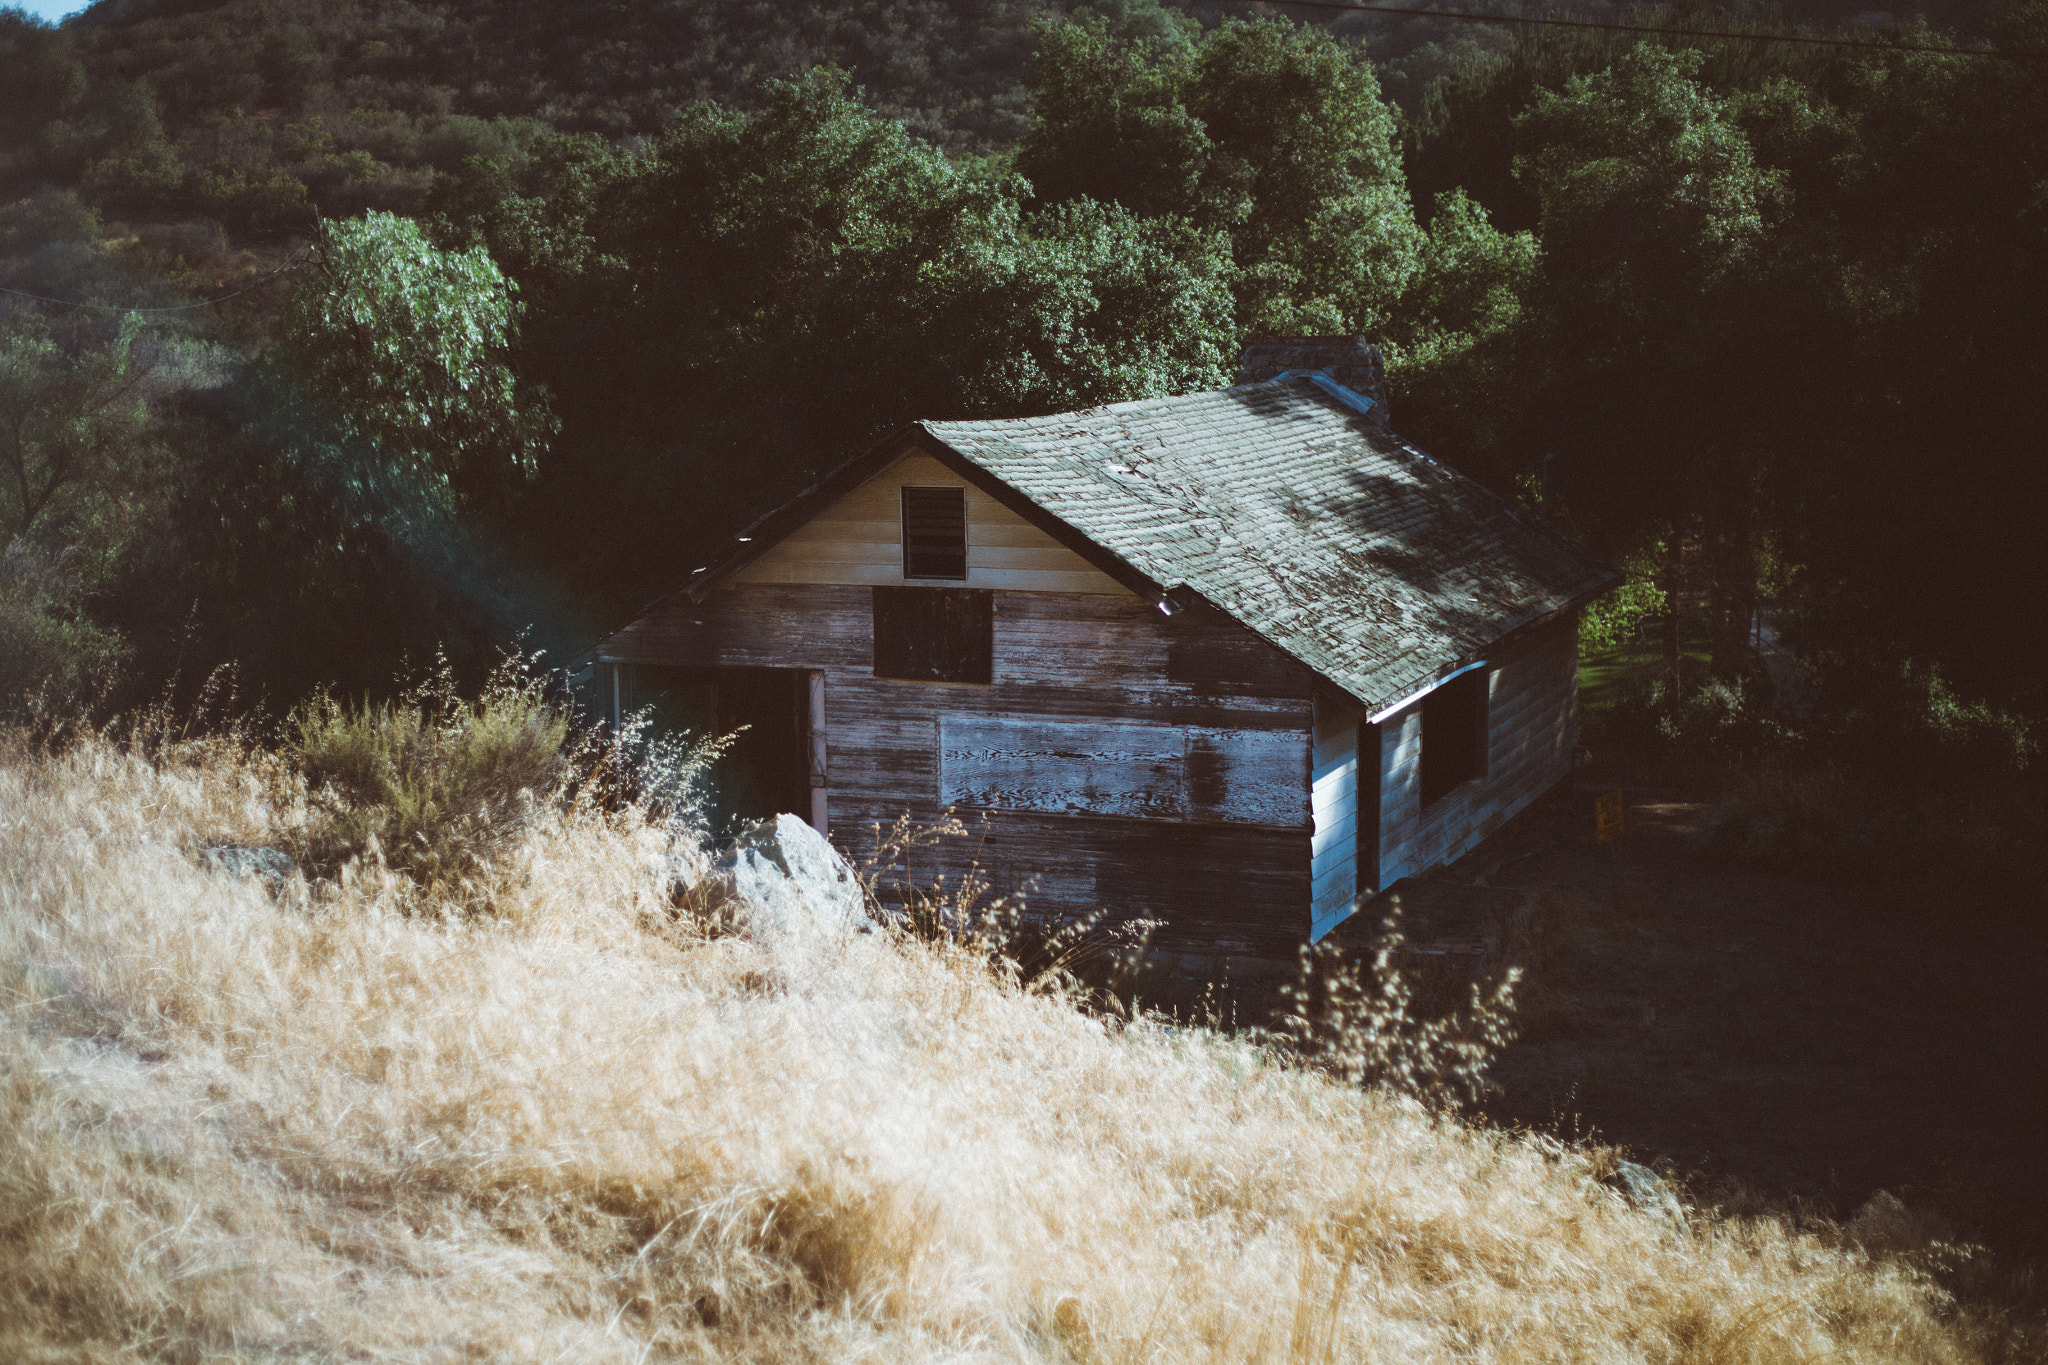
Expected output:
(1356, 1020)
(1081, 957)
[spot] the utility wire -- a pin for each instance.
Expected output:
(177, 308)
(1665, 32)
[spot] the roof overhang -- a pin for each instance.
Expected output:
(1504, 643)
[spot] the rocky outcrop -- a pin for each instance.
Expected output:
(267, 865)
(789, 885)
(1647, 1191)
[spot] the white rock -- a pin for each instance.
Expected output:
(793, 887)
(1644, 1189)
(267, 865)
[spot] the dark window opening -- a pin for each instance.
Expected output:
(935, 634)
(1453, 735)
(935, 533)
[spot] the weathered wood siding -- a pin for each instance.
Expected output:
(1334, 870)
(1191, 719)
(1159, 772)
(859, 540)
(1532, 725)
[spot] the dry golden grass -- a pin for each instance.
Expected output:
(241, 1126)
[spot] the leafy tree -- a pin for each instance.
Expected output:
(74, 420)
(87, 474)
(1269, 132)
(1804, 310)
(1651, 196)
(1109, 124)
(330, 524)
(403, 349)
(767, 293)
(1470, 283)
(1930, 501)
(1655, 224)
(1147, 20)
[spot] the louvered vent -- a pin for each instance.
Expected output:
(935, 533)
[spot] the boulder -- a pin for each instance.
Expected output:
(791, 884)
(1644, 1189)
(267, 865)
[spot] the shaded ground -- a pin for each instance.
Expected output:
(1814, 1042)
(1770, 1041)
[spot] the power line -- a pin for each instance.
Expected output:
(1664, 32)
(177, 308)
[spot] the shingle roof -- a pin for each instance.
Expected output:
(1343, 545)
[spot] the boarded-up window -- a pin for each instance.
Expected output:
(1163, 772)
(935, 634)
(935, 533)
(1453, 734)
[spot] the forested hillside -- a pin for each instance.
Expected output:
(1760, 319)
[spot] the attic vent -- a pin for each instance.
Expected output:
(935, 533)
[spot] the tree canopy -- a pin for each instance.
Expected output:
(1769, 308)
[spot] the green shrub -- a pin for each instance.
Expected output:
(1904, 716)
(432, 783)
(1619, 615)
(52, 656)
(1730, 718)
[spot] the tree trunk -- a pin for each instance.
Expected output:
(1672, 658)
(1735, 595)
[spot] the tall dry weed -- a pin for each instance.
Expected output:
(1358, 1021)
(246, 1125)
(1087, 959)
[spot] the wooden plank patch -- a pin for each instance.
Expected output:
(1253, 777)
(1161, 772)
(1061, 767)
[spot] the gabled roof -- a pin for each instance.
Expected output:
(1342, 544)
(1278, 502)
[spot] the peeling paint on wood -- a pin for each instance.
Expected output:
(1161, 772)
(1126, 761)
(1062, 767)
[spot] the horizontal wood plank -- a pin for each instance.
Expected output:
(1230, 871)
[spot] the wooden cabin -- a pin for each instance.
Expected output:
(1235, 661)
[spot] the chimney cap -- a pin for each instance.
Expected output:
(1352, 361)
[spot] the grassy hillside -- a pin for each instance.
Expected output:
(311, 1125)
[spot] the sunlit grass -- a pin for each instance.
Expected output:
(321, 1123)
(1601, 671)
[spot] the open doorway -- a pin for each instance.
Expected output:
(767, 769)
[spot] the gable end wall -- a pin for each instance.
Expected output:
(858, 540)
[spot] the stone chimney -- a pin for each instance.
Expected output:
(1352, 362)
